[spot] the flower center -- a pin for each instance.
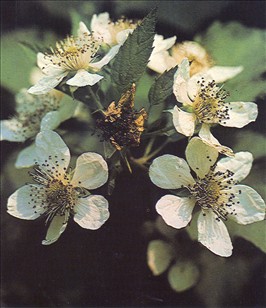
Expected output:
(55, 194)
(118, 26)
(209, 105)
(214, 192)
(73, 54)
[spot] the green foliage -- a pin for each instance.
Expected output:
(17, 59)
(162, 87)
(183, 276)
(254, 233)
(159, 254)
(132, 58)
(233, 44)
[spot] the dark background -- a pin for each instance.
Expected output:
(107, 267)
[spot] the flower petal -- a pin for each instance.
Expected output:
(11, 130)
(27, 202)
(249, 206)
(82, 29)
(223, 73)
(240, 114)
(56, 228)
(123, 35)
(52, 153)
(160, 62)
(200, 156)
(27, 157)
(50, 121)
(207, 137)
(46, 84)
(83, 78)
(184, 122)
(180, 87)
(91, 212)
(170, 172)
(213, 234)
(161, 44)
(240, 164)
(91, 171)
(107, 58)
(175, 211)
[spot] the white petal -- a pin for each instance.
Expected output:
(170, 172)
(180, 87)
(200, 156)
(67, 108)
(184, 122)
(240, 164)
(46, 84)
(52, 153)
(123, 35)
(249, 207)
(82, 29)
(213, 234)
(107, 58)
(27, 157)
(91, 212)
(83, 78)
(240, 114)
(175, 211)
(223, 73)
(42, 60)
(161, 44)
(50, 121)
(100, 26)
(11, 130)
(160, 62)
(91, 171)
(207, 137)
(26, 202)
(56, 228)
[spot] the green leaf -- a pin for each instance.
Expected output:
(183, 276)
(159, 256)
(254, 233)
(233, 44)
(132, 58)
(162, 87)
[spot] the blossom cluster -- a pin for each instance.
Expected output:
(72, 74)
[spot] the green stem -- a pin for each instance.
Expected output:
(95, 99)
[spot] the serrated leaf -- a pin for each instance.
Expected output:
(159, 256)
(183, 276)
(132, 58)
(162, 87)
(233, 44)
(254, 233)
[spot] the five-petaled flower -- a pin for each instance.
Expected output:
(215, 190)
(35, 114)
(58, 192)
(74, 55)
(203, 105)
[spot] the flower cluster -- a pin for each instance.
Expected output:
(101, 68)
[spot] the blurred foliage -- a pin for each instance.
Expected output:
(232, 44)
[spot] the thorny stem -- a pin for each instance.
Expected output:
(95, 100)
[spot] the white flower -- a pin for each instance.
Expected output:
(201, 62)
(215, 191)
(73, 55)
(113, 33)
(35, 114)
(203, 104)
(59, 193)
(160, 59)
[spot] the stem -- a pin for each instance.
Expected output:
(158, 132)
(143, 160)
(95, 99)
